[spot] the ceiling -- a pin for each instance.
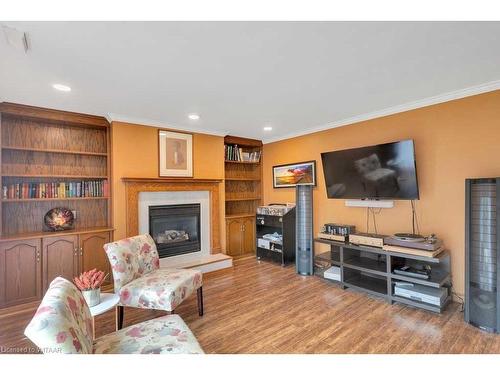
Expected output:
(241, 76)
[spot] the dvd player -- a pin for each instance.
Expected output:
(420, 293)
(412, 272)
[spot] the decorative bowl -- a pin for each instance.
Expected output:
(59, 218)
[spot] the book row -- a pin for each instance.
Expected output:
(236, 153)
(37, 190)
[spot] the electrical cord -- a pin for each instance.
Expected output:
(374, 221)
(462, 301)
(414, 218)
(371, 210)
(367, 219)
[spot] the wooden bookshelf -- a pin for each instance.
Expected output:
(243, 194)
(61, 176)
(54, 151)
(40, 146)
(243, 199)
(242, 179)
(49, 199)
(242, 162)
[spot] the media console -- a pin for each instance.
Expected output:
(370, 269)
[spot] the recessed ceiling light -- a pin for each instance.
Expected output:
(61, 87)
(268, 128)
(194, 116)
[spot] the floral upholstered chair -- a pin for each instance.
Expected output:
(62, 324)
(140, 282)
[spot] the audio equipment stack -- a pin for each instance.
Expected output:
(336, 232)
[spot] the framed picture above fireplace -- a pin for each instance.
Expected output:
(175, 154)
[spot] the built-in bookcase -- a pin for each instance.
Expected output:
(243, 194)
(42, 149)
(243, 179)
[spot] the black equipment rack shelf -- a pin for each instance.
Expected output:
(284, 225)
(370, 270)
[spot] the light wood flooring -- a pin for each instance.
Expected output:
(260, 307)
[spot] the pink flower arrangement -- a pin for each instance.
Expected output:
(90, 280)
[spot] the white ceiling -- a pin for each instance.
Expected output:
(240, 76)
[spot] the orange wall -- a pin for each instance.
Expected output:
(135, 154)
(453, 141)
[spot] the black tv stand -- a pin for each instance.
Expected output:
(371, 270)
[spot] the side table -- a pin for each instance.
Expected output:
(108, 301)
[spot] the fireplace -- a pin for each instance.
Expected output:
(175, 228)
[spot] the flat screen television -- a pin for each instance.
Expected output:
(384, 171)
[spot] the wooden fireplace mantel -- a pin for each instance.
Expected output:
(136, 185)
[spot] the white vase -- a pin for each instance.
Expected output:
(92, 296)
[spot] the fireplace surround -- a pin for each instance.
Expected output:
(134, 186)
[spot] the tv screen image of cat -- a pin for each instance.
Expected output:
(383, 171)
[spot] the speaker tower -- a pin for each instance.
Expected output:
(304, 257)
(482, 253)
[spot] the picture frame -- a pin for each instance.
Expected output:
(292, 174)
(175, 154)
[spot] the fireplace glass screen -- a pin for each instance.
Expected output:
(175, 228)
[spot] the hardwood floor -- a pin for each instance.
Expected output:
(264, 308)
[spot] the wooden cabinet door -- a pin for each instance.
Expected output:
(248, 241)
(20, 272)
(93, 255)
(60, 258)
(234, 237)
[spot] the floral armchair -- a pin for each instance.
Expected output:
(140, 282)
(62, 324)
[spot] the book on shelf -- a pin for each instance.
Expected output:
(236, 153)
(52, 190)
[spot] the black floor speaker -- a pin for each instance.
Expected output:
(482, 253)
(304, 256)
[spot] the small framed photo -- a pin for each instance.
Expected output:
(175, 154)
(290, 175)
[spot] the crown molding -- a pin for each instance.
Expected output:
(442, 98)
(114, 117)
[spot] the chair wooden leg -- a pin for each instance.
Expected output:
(119, 317)
(199, 293)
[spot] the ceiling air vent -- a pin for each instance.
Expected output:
(17, 39)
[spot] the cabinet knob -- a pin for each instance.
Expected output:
(81, 251)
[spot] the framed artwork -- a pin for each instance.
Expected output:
(175, 154)
(290, 175)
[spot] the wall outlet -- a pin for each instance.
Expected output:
(74, 214)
